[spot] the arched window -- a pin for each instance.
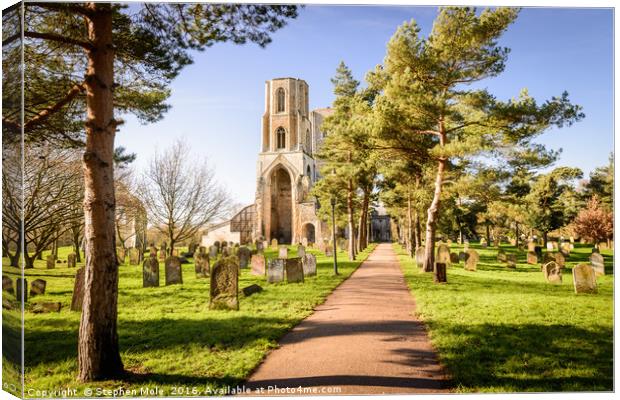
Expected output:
(308, 173)
(280, 100)
(280, 138)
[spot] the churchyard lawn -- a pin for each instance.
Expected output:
(508, 330)
(168, 336)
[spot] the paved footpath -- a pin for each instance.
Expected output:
(362, 340)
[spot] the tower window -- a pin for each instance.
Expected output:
(280, 100)
(280, 138)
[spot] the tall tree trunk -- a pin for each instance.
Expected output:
(76, 244)
(545, 240)
(410, 235)
(98, 351)
(418, 230)
(363, 223)
(351, 224)
(488, 234)
(433, 210)
(517, 234)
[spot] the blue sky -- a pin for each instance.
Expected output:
(217, 102)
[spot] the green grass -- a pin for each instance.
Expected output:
(168, 336)
(503, 330)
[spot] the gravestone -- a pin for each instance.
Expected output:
(150, 272)
(275, 270)
(532, 258)
(226, 251)
(259, 247)
(162, 251)
(419, 256)
(274, 243)
(301, 251)
(244, 255)
(565, 248)
(134, 256)
(18, 289)
(548, 257)
(120, 255)
(440, 273)
(213, 249)
(192, 248)
(531, 246)
(483, 242)
(304, 241)
(71, 260)
(501, 255)
(598, 264)
(7, 284)
(538, 252)
(37, 287)
(584, 279)
(552, 272)
(560, 259)
(174, 273)
(224, 285)
(258, 265)
(78, 290)
(549, 246)
(511, 260)
(328, 250)
(46, 307)
(309, 264)
(201, 264)
(463, 256)
(466, 245)
(283, 252)
(153, 251)
(294, 270)
(454, 258)
(50, 262)
(443, 254)
(250, 290)
(472, 260)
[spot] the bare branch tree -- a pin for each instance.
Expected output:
(180, 194)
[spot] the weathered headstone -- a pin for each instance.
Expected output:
(283, 252)
(226, 251)
(134, 256)
(174, 273)
(440, 273)
(454, 258)
(192, 248)
(419, 256)
(294, 270)
(471, 264)
(224, 285)
(309, 264)
(46, 307)
(213, 250)
(51, 261)
(150, 272)
(274, 243)
(19, 289)
(120, 255)
(71, 260)
(201, 264)
(259, 247)
(584, 278)
(250, 290)
(78, 290)
(37, 287)
(511, 260)
(7, 284)
(501, 255)
(463, 256)
(275, 270)
(443, 254)
(301, 251)
(598, 263)
(258, 265)
(532, 258)
(560, 259)
(552, 272)
(548, 257)
(162, 251)
(244, 255)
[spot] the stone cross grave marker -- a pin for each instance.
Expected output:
(472, 260)
(294, 270)
(150, 271)
(244, 254)
(552, 272)
(598, 263)
(224, 287)
(275, 270)
(78, 290)
(584, 278)
(258, 265)
(283, 252)
(443, 254)
(71, 263)
(37, 287)
(174, 273)
(309, 264)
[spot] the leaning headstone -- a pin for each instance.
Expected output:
(258, 265)
(309, 264)
(134, 256)
(463, 256)
(78, 291)
(294, 270)
(250, 290)
(501, 255)
(50, 262)
(224, 285)
(440, 273)
(454, 258)
(301, 251)
(283, 252)
(419, 256)
(472, 260)
(275, 270)
(201, 264)
(443, 254)
(274, 243)
(174, 273)
(598, 264)
(244, 255)
(7, 284)
(552, 272)
(37, 287)
(18, 289)
(532, 258)
(150, 271)
(71, 260)
(560, 259)
(511, 260)
(584, 279)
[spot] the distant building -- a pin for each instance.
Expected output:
(380, 225)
